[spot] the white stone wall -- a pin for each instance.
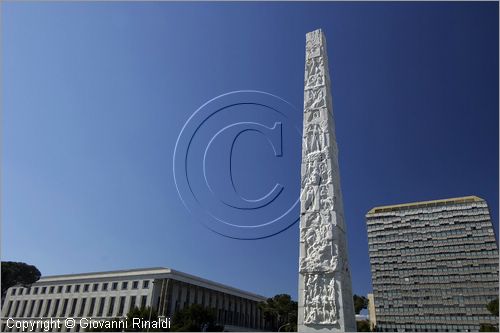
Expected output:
(43, 299)
(325, 295)
(16, 298)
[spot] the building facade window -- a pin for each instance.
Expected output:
(9, 308)
(91, 307)
(31, 309)
(64, 307)
(132, 303)
(82, 307)
(101, 307)
(73, 307)
(56, 307)
(39, 308)
(23, 310)
(111, 306)
(47, 308)
(16, 308)
(121, 306)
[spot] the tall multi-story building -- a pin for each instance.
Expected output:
(108, 295)
(434, 265)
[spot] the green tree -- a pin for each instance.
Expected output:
(493, 307)
(360, 303)
(195, 318)
(145, 313)
(363, 326)
(280, 313)
(18, 273)
(487, 328)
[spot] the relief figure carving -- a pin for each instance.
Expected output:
(316, 136)
(309, 199)
(315, 72)
(319, 300)
(313, 44)
(320, 252)
(315, 98)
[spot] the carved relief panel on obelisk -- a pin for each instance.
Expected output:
(325, 295)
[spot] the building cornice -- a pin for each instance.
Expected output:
(151, 273)
(422, 204)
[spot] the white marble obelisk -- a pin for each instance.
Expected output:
(325, 294)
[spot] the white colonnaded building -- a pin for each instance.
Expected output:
(108, 295)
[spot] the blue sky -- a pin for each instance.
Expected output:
(95, 95)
